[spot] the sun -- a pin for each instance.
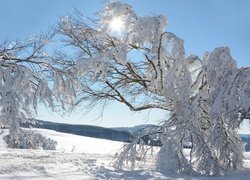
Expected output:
(116, 24)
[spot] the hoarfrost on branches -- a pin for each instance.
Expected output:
(26, 76)
(146, 67)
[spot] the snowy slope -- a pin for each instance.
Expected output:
(79, 157)
(81, 144)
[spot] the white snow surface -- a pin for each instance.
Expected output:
(83, 158)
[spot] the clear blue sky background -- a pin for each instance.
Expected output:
(203, 25)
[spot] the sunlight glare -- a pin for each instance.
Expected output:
(116, 24)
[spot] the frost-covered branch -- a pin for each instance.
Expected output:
(30, 76)
(144, 67)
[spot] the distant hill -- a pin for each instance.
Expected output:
(123, 134)
(133, 130)
(83, 130)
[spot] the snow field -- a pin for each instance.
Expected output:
(83, 158)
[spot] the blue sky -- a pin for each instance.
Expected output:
(203, 25)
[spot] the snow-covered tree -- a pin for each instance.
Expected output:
(134, 60)
(30, 76)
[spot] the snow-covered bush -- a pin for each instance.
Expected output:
(28, 139)
(141, 65)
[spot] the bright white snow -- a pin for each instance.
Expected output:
(82, 158)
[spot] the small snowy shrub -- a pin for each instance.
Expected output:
(28, 139)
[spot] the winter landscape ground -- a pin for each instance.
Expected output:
(79, 157)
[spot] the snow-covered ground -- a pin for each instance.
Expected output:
(83, 158)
